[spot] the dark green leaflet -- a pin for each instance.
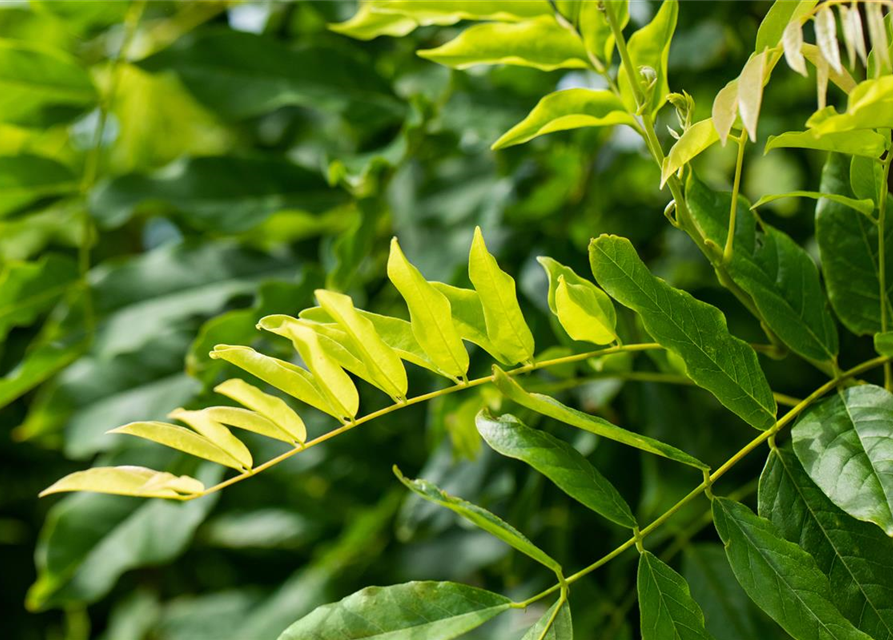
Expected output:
(665, 602)
(773, 270)
(693, 330)
(856, 556)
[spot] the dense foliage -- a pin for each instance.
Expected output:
(263, 264)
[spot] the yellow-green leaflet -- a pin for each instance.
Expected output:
(698, 138)
(750, 92)
(334, 383)
(127, 481)
(270, 407)
(249, 421)
(506, 327)
(792, 41)
(291, 379)
(586, 313)
(468, 317)
(381, 360)
(181, 439)
(725, 110)
(430, 314)
(367, 24)
(216, 433)
(826, 37)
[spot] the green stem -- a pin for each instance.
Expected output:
(577, 357)
(882, 261)
(721, 471)
(733, 212)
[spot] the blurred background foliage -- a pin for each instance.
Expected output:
(172, 171)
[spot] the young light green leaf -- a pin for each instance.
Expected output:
(368, 23)
(550, 407)
(216, 433)
(558, 461)
(693, 330)
(430, 314)
(249, 421)
(750, 91)
(780, 15)
(883, 343)
(650, 47)
(437, 12)
(127, 481)
(291, 379)
(778, 274)
(270, 407)
(842, 78)
(380, 359)
(480, 517)
(877, 31)
(568, 109)
(792, 41)
(865, 207)
(846, 447)
(506, 327)
(856, 556)
(855, 143)
(697, 138)
(540, 43)
(725, 110)
(869, 106)
(423, 610)
(596, 29)
(585, 312)
(333, 381)
(562, 627)
(468, 317)
(851, 24)
(181, 439)
(826, 37)
(665, 602)
(781, 578)
(848, 247)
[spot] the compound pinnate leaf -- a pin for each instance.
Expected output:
(269, 407)
(424, 610)
(665, 602)
(848, 245)
(127, 481)
(181, 439)
(856, 556)
(506, 327)
(558, 461)
(489, 522)
(430, 314)
(380, 359)
(693, 330)
(560, 625)
(549, 406)
(568, 109)
(780, 577)
(540, 43)
(845, 443)
(778, 274)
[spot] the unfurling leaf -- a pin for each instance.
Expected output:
(558, 461)
(568, 109)
(665, 602)
(263, 404)
(693, 330)
(781, 578)
(540, 43)
(127, 481)
(506, 327)
(430, 315)
(380, 359)
(332, 380)
(826, 37)
(424, 610)
(846, 446)
(550, 407)
(181, 439)
(792, 41)
(480, 517)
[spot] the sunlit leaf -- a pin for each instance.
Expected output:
(650, 47)
(697, 138)
(781, 14)
(217, 433)
(181, 439)
(468, 317)
(869, 106)
(506, 327)
(855, 143)
(127, 481)
(725, 110)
